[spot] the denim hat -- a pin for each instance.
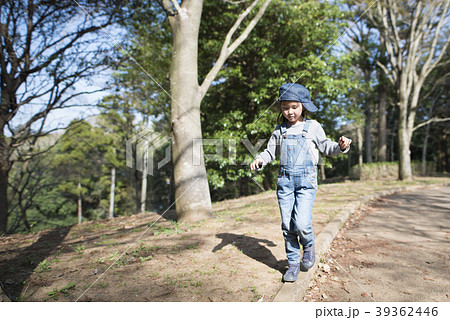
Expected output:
(296, 92)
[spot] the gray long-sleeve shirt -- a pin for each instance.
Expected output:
(316, 139)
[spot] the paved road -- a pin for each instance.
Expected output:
(397, 250)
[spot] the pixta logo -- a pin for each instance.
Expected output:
(146, 143)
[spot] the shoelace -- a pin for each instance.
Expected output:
(307, 255)
(292, 269)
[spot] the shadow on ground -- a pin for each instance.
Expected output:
(23, 264)
(253, 248)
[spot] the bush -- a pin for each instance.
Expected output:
(416, 167)
(386, 170)
(374, 171)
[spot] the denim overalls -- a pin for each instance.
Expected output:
(296, 191)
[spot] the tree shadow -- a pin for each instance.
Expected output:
(253, 248)
(169, 215)
(16, 271)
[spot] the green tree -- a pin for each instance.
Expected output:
(288, 45)
(81, 165)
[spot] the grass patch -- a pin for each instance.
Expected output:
(56, 293)
(256, 294)
(121, 262)
(109, 242)
(175, 228)
(79, 249)
(169, 281)
(143, 259)
(43, 266)
(95, 226)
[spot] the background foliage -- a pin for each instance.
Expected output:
(295, 41)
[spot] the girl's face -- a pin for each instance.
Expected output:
(292, 111)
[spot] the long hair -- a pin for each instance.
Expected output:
(281, 118)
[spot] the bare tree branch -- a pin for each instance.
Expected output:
(387, 72)
(228, 48)
(429, 65)
(176, 5)
(167, 7)
(430, 121)
(234, 2)
(46, 47)
(436, 83)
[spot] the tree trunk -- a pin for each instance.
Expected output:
(382, 135)
(360, 145)
(444, 153)
(144, 179)
(268, 180)
(192, 195)
(404, 155)
(424, 150)
(392, 153)
(243, 188)
(322, 172)
(136, 191)
(4, 173)
(171, 189)
(367, 134)
(112, 193)
(80, 213)
(3, 198)
(349, 163)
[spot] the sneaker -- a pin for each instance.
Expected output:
(292, 273)
(309, 257)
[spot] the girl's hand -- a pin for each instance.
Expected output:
(344, 143)
(256, 164)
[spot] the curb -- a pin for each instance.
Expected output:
(295, 291)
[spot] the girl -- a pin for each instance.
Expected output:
(298, 141)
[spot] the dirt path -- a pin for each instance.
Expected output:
(396, 250)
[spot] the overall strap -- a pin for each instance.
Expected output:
(283, 130)
(306, 127)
